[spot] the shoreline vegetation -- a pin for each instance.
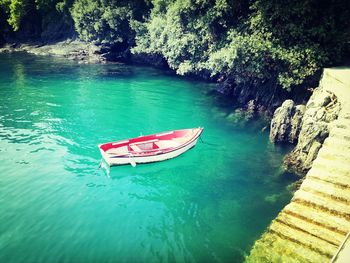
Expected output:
(259, 52)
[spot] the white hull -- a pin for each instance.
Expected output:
(147, 159)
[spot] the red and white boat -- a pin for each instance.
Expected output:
(150, 148)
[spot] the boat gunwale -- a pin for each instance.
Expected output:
(150, 153)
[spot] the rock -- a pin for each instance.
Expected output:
(296, 122)
(312, 154)
(286, 122)
(265, 95)
(321, 110)
(71, 49)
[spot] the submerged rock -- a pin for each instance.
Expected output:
(286, 122)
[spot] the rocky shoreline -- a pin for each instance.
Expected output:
(72, 49)
(307, 126)
(84, 52)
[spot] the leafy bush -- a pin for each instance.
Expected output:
(252, 42)
(34, 11)
(284, 43)
(185, 32)
(105, 21)
(253, 59)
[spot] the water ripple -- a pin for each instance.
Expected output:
(56, 206)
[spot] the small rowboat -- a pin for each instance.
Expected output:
(150, 148)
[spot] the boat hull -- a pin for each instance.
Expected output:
(111, 161)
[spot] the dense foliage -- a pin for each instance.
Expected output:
(35, 18)
(106, 21)
(282, 43)
(186, 32)
(276, 41)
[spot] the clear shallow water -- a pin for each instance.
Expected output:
(208, 205)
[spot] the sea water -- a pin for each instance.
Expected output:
(208, 205)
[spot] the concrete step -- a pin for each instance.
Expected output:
(339, 76)
(338, 143)
(333, 153)
(324, 203)
(313, 243)
(334, 165)
(344, 114)
(340, 129)
(336, 192)
(341, 123)
(331, 176)
(341, 135)
(275, 248)
(318, 217)
(309, 227)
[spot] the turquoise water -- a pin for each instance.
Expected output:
(208, 205)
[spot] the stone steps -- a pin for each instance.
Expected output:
(335, 165)
(332, 153)
(273, 247)
(341, 124)
(324, 203)
(310, 228)
(339, 131)
(342, 135)
(344, 115)
(330, 176)
(336, 192)
(311, 242)
(337, 143)
(318, 217)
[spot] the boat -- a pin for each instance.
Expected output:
(150, 148)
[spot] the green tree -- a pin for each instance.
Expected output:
(16, 10)
(185, 32)
(20, 10)
(106, 21)
(253, 42)
(285, 41)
